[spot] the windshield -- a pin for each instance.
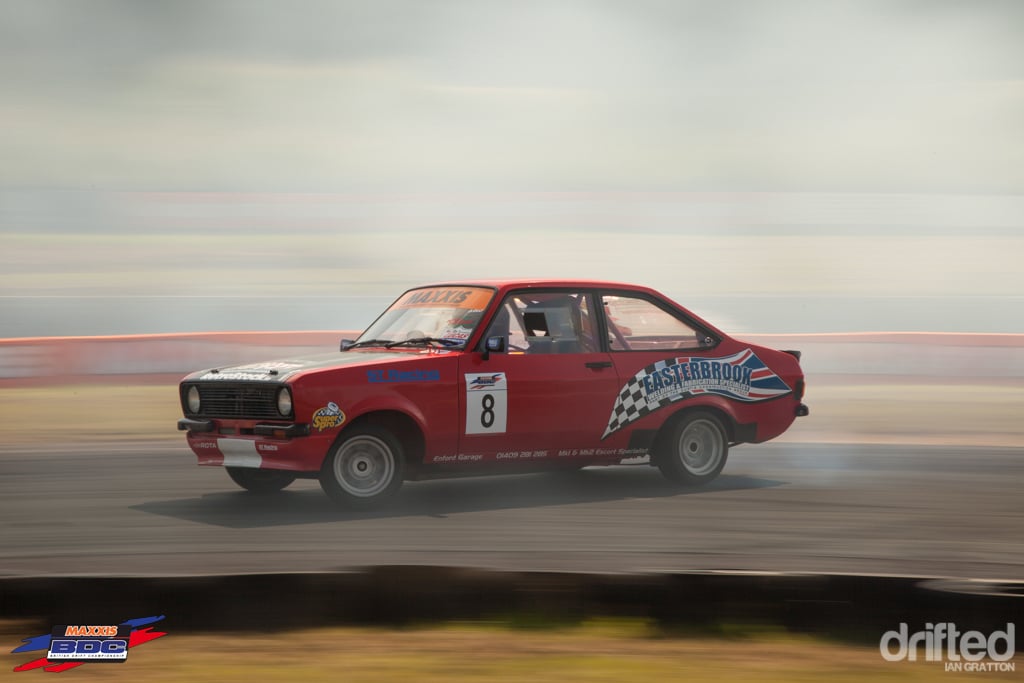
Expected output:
(444, 313)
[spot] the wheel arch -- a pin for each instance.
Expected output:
(403, 426)
(732, 428)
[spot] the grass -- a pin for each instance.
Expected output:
(618, 651)
(840, 412)
(88, 412)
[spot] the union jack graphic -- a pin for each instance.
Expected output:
(741, 377)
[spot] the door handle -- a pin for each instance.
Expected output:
(598, 364)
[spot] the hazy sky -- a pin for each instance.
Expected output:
(780, 95)
(780, 165)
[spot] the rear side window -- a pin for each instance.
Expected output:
(637, 324)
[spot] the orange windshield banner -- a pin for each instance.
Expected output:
(472, 298)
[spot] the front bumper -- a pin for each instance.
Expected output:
(291, 447)
(188, 425)
(289, 431)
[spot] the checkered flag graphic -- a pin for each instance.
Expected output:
(631, 404)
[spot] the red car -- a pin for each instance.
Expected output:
(496, 377)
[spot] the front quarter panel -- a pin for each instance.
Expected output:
(421, 386)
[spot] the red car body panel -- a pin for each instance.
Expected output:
(476, 408)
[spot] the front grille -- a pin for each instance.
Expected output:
(245, 400)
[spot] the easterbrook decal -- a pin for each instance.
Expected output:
(742, 377)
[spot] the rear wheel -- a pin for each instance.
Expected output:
(364, 468)
(695, 449)
(260, 481)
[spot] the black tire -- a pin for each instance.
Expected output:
(260, 481)
(694, 449)
(364, 468)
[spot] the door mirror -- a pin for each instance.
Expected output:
(493, 344)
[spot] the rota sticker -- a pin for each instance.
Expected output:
(486, 403)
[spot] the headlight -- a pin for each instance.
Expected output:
(193, 399)
(284, 401)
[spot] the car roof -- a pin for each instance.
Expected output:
(532, 283)
(503, 286)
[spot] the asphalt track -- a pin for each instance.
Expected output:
(146, 509)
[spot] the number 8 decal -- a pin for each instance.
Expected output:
(486, 403)
(487, 418)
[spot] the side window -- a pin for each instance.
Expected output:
(545, 322)
(636, 324)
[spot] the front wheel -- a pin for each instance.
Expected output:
(695, 449)
(260, 481)
(364, 468)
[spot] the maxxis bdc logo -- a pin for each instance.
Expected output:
(70, 645)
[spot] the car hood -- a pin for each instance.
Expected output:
(283, 369)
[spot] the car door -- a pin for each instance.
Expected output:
(661, 358)
(546, 396)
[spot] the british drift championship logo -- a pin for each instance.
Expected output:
(484, 381)
(742, 377)
(71, 645)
